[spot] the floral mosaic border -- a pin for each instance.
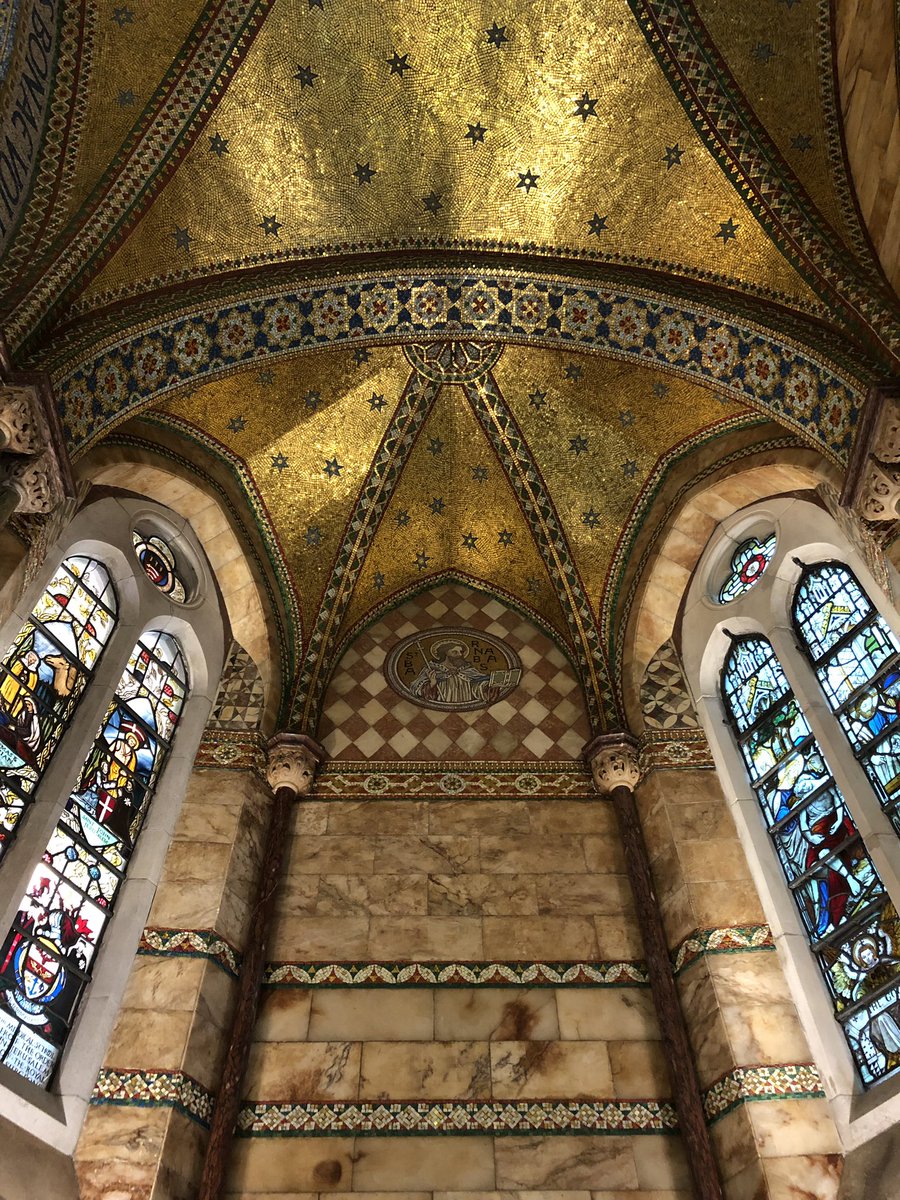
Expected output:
(787, 1081)
(732, 939)
(235, 750)
(154, 1089)
(466, 974)
(191, 943)
(683, 750)
(752, 365)
(492, 1117)
(447, 780)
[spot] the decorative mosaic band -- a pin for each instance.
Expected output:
(236, 750)
(488, 780)
(731, 940)
(787, 1081)
(471, 974)
(680, 750)
(191, 943)
(154, 1089)
(494, 1117)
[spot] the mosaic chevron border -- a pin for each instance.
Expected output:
(191, 943)
(154, 1089)
(733, 939)
(472, 974)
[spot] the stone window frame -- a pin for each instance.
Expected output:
(806, 534)
(103, 530)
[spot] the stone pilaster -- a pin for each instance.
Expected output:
(616, 773)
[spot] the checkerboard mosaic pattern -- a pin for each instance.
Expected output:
(240, 700)
(363, 718)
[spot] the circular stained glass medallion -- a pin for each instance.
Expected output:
(747, 565)
(157, 558)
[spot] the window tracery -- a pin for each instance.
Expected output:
(748, 563)
(43, 676)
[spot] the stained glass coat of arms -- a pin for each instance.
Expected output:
(851, 924)
(47, 955)
(43, 676)
(747, 565)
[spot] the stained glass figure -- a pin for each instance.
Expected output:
(851, 925)
(747, 565)
(856, 656)
(43, 675)
(158, 560)
(47, 956)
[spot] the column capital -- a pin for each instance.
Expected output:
(21, 427)
(614, 761)
(293, 759)
(37, 481)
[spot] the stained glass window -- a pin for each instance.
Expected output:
(43, 675)
(157, 558)
(851, 924)
(856, 656)
(48, 954)
(747, 564)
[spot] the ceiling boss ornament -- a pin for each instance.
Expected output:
(453, 670)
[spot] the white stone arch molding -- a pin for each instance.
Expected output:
(806, 534)
(103, 529)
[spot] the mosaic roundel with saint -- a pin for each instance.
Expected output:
(453, 669)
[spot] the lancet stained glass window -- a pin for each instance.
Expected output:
(747, 565)
(43, 675)
(48, 954)
(856, 656)
(853, 929)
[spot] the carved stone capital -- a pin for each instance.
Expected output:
(880, 492)
(21, 427)
(37, 480)
(293, 759)
(614, 762)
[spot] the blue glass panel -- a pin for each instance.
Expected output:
(842, 886)
(819, 828)
(801, 773)
(853, 665)
(828, 603)
(753, 680)
(867, 961)
(747, 565)
(872, 712)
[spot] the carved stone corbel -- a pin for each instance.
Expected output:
(872, 483)
(293, 759)
(21, 429)
(614, 762)
(37, 481)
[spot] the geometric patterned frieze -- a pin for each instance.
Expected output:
(493, 1117)
(543, 717)
(447, 780)
(665, 700)
(154, 1089)
(674, 750)
(734, 939)
(232, 749)
(191, 943)
(450, 974)
(787, 1081)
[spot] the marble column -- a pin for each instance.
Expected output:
(293, 759)
(616, 773)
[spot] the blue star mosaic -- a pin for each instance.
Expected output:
(432, 203)
(126, 98)
(537, 399)
(437, 505)
(727, 231)
(237, 424)
(626, 417)
(376, 402)
(578, 445)
(360, 355)
(505, 537)
(527, 180)
(475, 133)
(123, 16)
(591, 518)
(435, 446)
(182, 238)
(270, 226)
(497, 35)
(333, 468)
(479, 474)
(573, 371)
(629, 469)
(218, 145)
(279, 462)
(586, 106)
(421, 561)
(673, 156)
(313, 535)
(402, 518)
(378, 581)
(306, 76)
(597, 225)
(399, 64)
(469, 541)
(312, 400)
(364, 173)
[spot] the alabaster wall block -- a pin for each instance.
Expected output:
(119, 1149)
(757, 1010)
(550, 1070)
(475, 895)
(734, 1142)
(495, 1014)
(295, 1072)
(182, 1160)
(283, 1015)
(616, 1014)
(500, 817)
(398, 1164)
(364, 1015)
(290, 1165)
(800, 1176)
(438, 938)
(380, 818)
(425, 1070)
(536, 1163)
(314, 939)
(790, 1128)
(640, 1070)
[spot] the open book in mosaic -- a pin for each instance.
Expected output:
(747, 565)
(851, 924)
(856, 656)
(43, 675)
(47, 957)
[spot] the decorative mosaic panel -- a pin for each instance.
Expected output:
(154, 1089)
(470, 974)
(240, 700)
(543, 717)
(675, 750)
(494, 1117)
(235, 750)
(734, 939)
(191, 943)
(788, 1081)
(665, 700)
(487, 780)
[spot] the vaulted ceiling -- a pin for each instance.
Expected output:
(447, 288)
